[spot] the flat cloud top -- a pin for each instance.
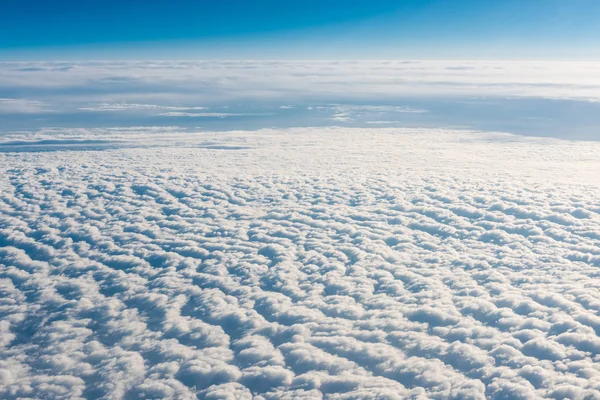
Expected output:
(558, 99)
(356, 79)
(392, 152)
(307, 263)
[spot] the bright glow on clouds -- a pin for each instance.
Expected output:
(303, 263)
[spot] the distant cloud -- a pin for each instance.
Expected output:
(22, 106)
(134, 107)
(208, 114)
(209, 81)
(346, 113)
(350, 93)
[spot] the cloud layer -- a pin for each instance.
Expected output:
(210, 80)
(308, 263)
(555, 99)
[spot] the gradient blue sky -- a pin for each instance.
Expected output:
(308, 29)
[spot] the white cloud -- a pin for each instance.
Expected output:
(208, 114)
(135, 107)
(305, 263)
(22, 106)
(348, 113)
(203, 81)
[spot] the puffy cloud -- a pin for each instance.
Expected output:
(345, 263)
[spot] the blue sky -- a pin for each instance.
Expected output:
(308, 29)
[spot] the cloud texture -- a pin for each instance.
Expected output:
(307, 263)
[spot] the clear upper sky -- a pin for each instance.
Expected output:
(307, 29)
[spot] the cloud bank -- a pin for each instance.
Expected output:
(307, 263)
(116, 86)
(557, 99)
(226, 78)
